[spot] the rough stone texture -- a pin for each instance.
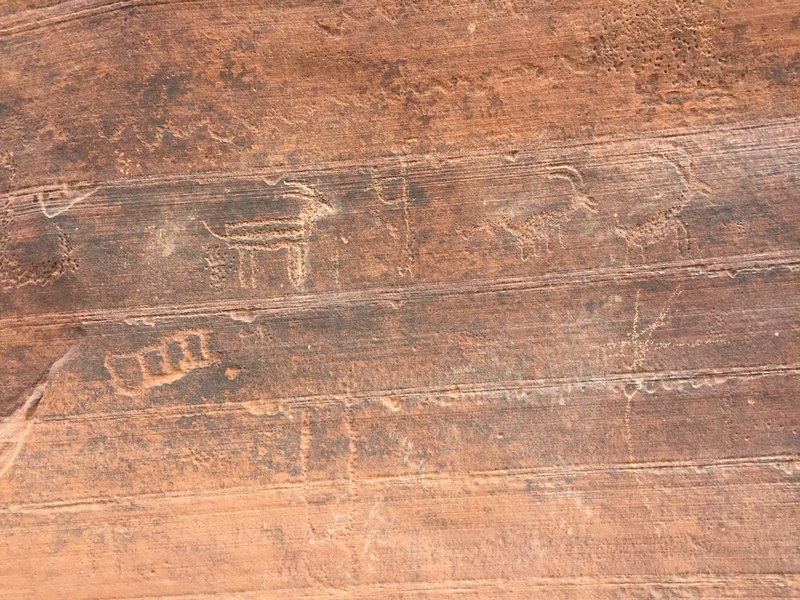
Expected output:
(399, 299)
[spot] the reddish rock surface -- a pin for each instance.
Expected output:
(399, 299)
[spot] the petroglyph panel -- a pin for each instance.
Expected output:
(452, 340)
(399, 299)
(232, 242)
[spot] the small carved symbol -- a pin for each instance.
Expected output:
(533, 233)
(276, 233)
(167, 361)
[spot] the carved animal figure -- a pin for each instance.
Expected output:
(291, 233)
(668, 221)
(534, 232)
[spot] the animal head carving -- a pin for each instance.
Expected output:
(316, 202)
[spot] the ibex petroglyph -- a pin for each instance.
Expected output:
(275, 233)
(534, 232)
(667, 221)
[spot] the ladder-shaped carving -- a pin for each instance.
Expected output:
(275, 233)
(165, 362)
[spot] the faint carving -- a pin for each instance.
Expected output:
(533, 233)
(14, 275)
(641, 338)
(55, 200)
(640, 342)
(276, 233)
(393, 190)
(167, 361)
(668, 221)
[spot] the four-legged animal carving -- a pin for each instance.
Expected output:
(668, 221)
(275, 233)
(534, 232)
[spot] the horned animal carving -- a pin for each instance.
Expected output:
(668, 221)
(276, 233)
(533, 233)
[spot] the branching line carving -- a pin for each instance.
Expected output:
(640, 341)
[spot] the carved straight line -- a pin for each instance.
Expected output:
(698, 378)
(445, 480)
(276, 172)
(710, 267)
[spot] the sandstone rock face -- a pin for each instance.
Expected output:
(399, 299)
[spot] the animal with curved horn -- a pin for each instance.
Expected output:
(533, 233)
(668, 221)
(275, 233)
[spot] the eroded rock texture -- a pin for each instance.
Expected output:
(399, 299)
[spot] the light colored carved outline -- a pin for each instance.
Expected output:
(532, 234)
(379, 183)
(668, 221)
(169, 372)
(640, 340)
(55, 200)
(250, 236)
